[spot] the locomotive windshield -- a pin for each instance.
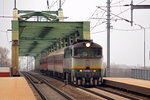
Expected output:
(87, 52)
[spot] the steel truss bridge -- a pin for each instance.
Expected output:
(36, 33)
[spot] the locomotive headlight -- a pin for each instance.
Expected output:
(80, 71)
(88, 44)
(94, 70)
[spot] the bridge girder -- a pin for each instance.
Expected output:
(37, 38)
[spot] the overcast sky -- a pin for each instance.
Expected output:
(127, 43)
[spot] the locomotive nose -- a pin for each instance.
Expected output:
(87, 79)
(87, 63)
(88, 67)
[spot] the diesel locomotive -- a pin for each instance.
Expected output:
(79, 63)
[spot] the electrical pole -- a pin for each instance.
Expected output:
(136, 7)
(131, 13)
(15, 5)
(144, 48)
(139, 7)
(60, 5)
(108, 38)
(48, 4)
(149, 55)
(60, 12)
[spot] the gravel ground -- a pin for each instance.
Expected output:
(50, 93)
(141, 97)
(71, 90)
(79, 94)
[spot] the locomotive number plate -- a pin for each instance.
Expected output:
(87, 70)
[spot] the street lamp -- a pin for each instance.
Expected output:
(144, 47)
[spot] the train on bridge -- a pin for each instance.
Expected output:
(79, 63)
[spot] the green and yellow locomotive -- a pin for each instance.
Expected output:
(79, 63)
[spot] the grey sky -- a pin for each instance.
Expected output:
(126, 46)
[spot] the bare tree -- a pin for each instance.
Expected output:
(4, 61)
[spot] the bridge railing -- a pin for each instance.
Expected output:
(140, 74)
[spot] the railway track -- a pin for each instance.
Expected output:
(118, 93)
(107, 94)
(45, 89)
(99, 92)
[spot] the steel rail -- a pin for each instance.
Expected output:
(95, 93)
(33, 84)
(120, 94)
(57, 90)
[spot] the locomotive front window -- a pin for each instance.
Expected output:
(87, 52)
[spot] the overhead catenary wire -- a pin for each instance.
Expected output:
(141, 2)
(120, 6)
(53, 4)
(7, 17)
(63, 2)
(113, 6)
(117, 2)
(130, 8)
(116, 15)
(141, 27)
(93, 14)
(130, 29)
(113, 18)
(7, 40)
(6, 37)
(122, 18)
(2, 31)
(120, 30)
(125, 9)
(97, 22)
(106, 18)
(99, 32)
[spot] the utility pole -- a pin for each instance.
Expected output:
(144, 48)
(138, 7)
(60, 12)
(149, 55)
(60, 5)
(48, 4)
(15, 5)
(108, 38)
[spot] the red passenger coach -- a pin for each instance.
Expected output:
(44, 64)
(58, 65)
(53, 63)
